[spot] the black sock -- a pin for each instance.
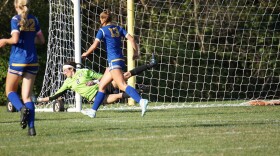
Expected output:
(125, 95)
(139, 70)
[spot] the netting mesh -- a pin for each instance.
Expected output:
(213, 50)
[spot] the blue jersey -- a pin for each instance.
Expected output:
(24, 52)
(112, 36)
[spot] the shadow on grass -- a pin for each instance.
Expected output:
(211, 125)
(6, 122)
(227, 124)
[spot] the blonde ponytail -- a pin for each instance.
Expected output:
(23, 6)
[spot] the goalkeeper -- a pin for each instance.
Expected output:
(85, 82)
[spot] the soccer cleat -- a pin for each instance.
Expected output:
(143, 104)
(143, 88)
(91, 113)
(84, 112)
(34, 98)
(153, 61)
(24, 112)
(31, 131)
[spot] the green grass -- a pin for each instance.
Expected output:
(189, 131)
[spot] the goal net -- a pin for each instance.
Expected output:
(208, 50)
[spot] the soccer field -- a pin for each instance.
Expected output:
(250, 130)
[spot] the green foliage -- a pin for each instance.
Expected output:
(214, 49)
(3, 69)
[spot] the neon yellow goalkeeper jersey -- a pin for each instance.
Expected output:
(78, 82)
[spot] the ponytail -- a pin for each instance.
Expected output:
(23, 6)
(107, 16)
(23, 16)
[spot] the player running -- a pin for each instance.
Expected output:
(112, 36)
(23, 63)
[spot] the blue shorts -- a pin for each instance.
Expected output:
(117, 64)
(20, 69)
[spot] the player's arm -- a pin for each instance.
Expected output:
(44, 99)
(50, 98)
(13, 40)
(58, 93)
(99, 37)
(91, 48)
(96, 77)
(134, 46)
(40, 39)
(92, 82)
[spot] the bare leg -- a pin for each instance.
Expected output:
(106, 79)
(113, 98)
(12, 81)
(27, 86)
(99, 98)
(118, 77)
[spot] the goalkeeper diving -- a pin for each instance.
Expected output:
(85, 82)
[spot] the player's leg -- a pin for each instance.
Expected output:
(27, 86)
(13, 77)
(100, 96)
(12, 82)
(119, 79)
(138, 70)
(106, 79)
(113, 98)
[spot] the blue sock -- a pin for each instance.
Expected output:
(31, 117)
(15, 100)
(133, 93)
(98, 100)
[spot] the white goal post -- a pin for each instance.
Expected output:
(211, 51)
(77, 41)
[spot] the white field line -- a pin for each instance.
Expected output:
(151, 107)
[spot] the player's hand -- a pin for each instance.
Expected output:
(127, 75)
(45, 99)
(90, 83)
(135, 56)
(93, 82)
(2, 43)
(84, 55)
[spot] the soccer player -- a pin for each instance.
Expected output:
(112, 36)
(85, 82)
(23, 63)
